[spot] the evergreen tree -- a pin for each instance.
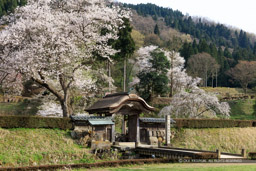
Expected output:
(184, 52)
(254, 49)
(22, 2)
(154, 81)
(156, 30)
(220, 57)
(126, 47)
(1, 11)
(203, 46)
(227, 53)
(13, 5)
(243, 39)
(213, 51)
(7, 6)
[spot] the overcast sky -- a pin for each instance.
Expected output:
(237, 13)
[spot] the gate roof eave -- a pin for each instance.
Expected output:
(112, 103)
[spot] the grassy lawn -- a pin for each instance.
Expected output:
(186, 167)
(230, 140)
(23, 147)
(243, 109)
(224, 91)
(240, 109)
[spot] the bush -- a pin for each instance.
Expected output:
(35, 122)
(212, 123)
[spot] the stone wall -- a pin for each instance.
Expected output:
(150, 136)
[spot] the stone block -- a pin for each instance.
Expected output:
(153, 141)
(102, 145)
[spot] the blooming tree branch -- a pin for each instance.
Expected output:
(54, 42)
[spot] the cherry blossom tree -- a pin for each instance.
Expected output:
(10, 82)
(188, 99)
(56, 42)
(195, 103)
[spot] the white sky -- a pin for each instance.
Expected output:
(237, 13)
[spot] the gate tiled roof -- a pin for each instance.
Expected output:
(112, 103)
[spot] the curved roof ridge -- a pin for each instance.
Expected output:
(109, 103)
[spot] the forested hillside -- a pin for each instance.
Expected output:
(225, 44)
(190, 36)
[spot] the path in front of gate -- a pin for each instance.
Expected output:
(131, 145)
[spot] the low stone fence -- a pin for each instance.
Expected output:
(237, 97)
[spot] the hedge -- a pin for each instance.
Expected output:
(212, 123)
(35, 122)
(66, 123)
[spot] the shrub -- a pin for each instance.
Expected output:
(212, 123)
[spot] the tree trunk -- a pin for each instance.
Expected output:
(109, 75)
(66, 106)
(124, 89)
(64, 100)
(216, 78)
(3, 96)
(212, 80)
(206, 78)
(66, 109)
(171, 86)
(244, 87)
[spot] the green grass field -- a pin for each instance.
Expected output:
(185, 167)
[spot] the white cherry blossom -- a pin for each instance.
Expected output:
(54, 41)
(188, 99)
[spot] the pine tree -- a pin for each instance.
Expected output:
(213, 51)
(13, 5)
(227, 53)
(156, 30)
(22, 2)
(1, 11)
(254, 49)
(126, 46)
(154, 82)
(203, 46)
